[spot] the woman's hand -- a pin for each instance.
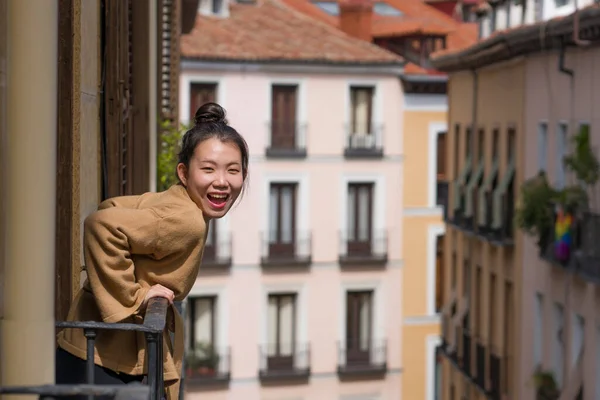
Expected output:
(158, 291)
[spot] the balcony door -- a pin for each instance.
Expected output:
(283, 116)
(282, 220)
(200, 94)
(359, 320)
(360, 218)
(281, 331)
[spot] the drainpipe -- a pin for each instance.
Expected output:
(27, 328)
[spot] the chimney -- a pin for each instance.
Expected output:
(355, 18)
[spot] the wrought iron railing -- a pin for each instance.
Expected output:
(293, 248)
(153, 327)
(284, 360)
(286, 139)
(218, 254)
(369, 144)
(363, 247)
(212, 367)
(362, 355)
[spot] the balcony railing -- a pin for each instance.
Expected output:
(480, 370)
(364, 145)
(495, 370)
(286, 249)
(217, 255)
(588, 252)
(153, 328)
(466, 352)
(362, 358)
(209, 367)
(286, 139)
(284, 362)
(363, 248)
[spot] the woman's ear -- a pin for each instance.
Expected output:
(182, 173)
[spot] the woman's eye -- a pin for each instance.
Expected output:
(207, 169)
(234, 171)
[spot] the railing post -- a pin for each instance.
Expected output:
(90, 335)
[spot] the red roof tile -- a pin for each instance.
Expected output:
(272, 31)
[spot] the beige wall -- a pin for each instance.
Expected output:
(500, 103)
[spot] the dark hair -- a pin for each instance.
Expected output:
(210, 122)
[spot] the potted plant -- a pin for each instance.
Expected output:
(535, 212)
(546, 386)
(202, 361)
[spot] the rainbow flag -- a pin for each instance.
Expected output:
(562, 236)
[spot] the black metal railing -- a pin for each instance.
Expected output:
(363, 248)
(466, 352)
(286, 139)
(362, 357)
(280, 249)
(369, 144)
(495, 375)
(588, 254)
(441, 196)
(284, 361)
(480, 370)
(218, 254)
(212, 366)
(153, 327)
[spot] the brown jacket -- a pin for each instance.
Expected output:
(130, 244)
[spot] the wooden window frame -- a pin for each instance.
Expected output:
(354, 353)
(284, 128)
(278, 247)
(354, 90)
(358, 246)
(441, 151)
(200, 94)
(278, 361)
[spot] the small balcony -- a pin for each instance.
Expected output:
(282, 363)
(364, 145)
(363, 249)
(441, 196)
(286, 139)
(480, 365)
(286, 249)
(217, 255)
(208, 366)
(495, 364)
(465, 362)
(362, 359)
(587, 254)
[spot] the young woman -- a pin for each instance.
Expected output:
(140, 247)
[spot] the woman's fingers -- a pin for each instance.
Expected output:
(161, 291)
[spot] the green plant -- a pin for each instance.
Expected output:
(546, 386)
(168, 149)
(535, 214)
(202, 356)
(582, 161)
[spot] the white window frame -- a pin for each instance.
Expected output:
(433, 232)
(222, 311)
(431, 343)
(301, 111)
(378, 207)
(185, 83)
(435, 129)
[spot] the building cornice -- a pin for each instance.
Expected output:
(545, 36)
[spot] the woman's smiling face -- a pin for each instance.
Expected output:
(214, 179)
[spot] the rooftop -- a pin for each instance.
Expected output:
(270, 31)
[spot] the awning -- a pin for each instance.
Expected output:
(473, 183)
(461, 181)
(499, 193)
(487, 183)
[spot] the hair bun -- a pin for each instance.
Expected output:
(210, 113)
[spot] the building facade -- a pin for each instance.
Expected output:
(110, 69)
(519, 308)
(299, 297)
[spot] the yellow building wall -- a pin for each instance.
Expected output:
(421, 327)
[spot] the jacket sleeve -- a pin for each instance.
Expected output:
(111, 236)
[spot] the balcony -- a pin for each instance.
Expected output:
(217, 255)
(480, 376)
(208, 366)
(286, 139)
(465, 361)
(362, 359)
(153, 327)
(286, 249)
(495, 364)
(364, 145)
(363, 249)
(587, 255)
(284, 363)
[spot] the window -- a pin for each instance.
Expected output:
(359, 319)
(495, 143)
(542, 145)
(508, 335)
(481, 145)
(561, 151)
(538, 330)
(492, 317)
(577, 338)
(200, 94)
(456, 149)
(439, 273)
(210, 248)
(282, 218)
(281, 330)
(510, 145)
(441, 155)
(217, 6)
(360, 217)
(468, 144)
(561, 3)
(477, 303)
(283, 116)
(202, 311)
(361, 110)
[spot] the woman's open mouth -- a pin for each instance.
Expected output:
(217, 200)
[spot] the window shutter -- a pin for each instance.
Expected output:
(168, 58)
